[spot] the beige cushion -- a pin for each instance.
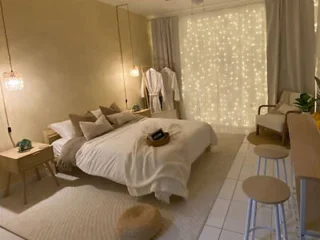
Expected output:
(284, 108)
(76, 119)
(121, 118)
(141, 222)
(108, 111)
(289, 97)
(91, 130)
(115, 107)
(271, 121)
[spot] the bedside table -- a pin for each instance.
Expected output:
(144, 112)
(15, 162)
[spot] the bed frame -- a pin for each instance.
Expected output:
(50, 136)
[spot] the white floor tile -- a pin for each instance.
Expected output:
(218, 213)
(227, 189)
(227, 235)
(239, 194)
(236, 219)
(240, 158)
(249, 170)
(210, 233)
(234, 171)
(244, 147)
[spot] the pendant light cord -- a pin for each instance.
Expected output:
(122, 61)
(5, 34)
(2, 92)
(130, 32)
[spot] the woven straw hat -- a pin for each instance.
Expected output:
(141, 222)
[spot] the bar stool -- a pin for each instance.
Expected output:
(275, 153)
(266, 190)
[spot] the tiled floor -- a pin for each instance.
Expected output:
(228, 216)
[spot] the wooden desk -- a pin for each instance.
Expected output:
(305, 154)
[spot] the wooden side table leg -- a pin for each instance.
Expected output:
(23, 175)
(38, 173)
(51, 172)
(7, 190)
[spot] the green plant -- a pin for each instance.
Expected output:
(305, 102)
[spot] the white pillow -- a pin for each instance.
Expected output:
(121, 118)
(64, 129)
(284, 108)
(97, 113)
(91, 130)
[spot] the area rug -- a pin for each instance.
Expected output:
(87, 207)
(266, 137)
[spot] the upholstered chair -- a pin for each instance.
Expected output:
(276, 118)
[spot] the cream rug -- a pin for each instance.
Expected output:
(87, 207)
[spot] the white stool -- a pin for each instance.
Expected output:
(266, 190)
(275, 153)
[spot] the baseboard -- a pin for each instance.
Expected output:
(29, 179)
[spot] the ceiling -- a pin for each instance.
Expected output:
(163, 8)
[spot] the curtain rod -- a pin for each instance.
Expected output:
(207, 8)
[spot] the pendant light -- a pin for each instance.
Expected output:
(12, 80)
(134, 72)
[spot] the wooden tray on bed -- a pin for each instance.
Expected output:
(160, 142)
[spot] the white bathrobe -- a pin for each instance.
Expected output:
(171, 88)
(154, 83)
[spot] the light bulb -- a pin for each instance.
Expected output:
(13, 81)
(134, 72)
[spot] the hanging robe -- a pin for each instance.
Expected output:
(171, 88)
(154, 83)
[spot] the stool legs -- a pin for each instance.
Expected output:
(285, 171)
(265, 166)
(248, 222)
(284, 222)
(277, 222)
(277, 169)
(254, 216)
(258, 166)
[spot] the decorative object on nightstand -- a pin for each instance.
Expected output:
(24, 145)
(144, 112)
(15, 162)
(12, 80)
(136, 108)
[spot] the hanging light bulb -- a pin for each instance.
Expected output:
(134, 72)
(13, 81)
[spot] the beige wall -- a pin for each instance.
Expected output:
(68, 53)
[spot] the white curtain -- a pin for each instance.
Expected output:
(223, 63)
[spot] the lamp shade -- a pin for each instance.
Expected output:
(134, 72)
(13, 81)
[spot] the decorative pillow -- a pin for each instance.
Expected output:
(108, 111)
(97, 113)
(76, 119)
(284, 108)
(95, 129)
(115, 107)
(121, 118)
(64, 129)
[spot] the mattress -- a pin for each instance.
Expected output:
(57, 146)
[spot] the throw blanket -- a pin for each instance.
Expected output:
(159, 169)
(68, 154)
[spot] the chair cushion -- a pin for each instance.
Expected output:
(289, 97)
(271, 121)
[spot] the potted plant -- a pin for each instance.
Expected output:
(305, 102)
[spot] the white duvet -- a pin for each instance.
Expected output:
(124, 157)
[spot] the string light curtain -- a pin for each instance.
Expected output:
(223, 64)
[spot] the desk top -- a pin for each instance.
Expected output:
(305, 145)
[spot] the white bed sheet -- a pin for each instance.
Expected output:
(58, 145)
(108, 156)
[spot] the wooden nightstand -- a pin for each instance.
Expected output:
(15, 162)
(144, 112)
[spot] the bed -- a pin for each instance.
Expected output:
(123, 156)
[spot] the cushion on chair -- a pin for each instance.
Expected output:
(141, 222)
(289, 97)
(271, 121)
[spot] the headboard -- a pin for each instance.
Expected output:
(50, 136)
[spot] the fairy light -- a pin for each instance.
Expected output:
(223, 61)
